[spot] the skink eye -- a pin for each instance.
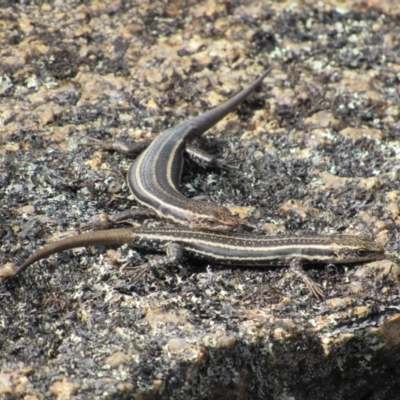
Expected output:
(361, 253)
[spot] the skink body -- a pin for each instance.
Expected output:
(225, 248)
(154, 176)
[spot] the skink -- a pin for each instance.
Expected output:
(154, 176)
(224, 248)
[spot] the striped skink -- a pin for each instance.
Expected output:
(224, 248)
(154, 176)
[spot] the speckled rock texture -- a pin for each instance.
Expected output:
(317, 148)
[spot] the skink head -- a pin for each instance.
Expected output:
(211, 217)
(356, 248)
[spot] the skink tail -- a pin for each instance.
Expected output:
(108, 237)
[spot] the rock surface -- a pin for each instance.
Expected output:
(317, 148)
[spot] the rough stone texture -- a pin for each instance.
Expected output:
(317, 149)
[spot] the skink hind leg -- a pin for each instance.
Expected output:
(120, 146)
(202, 158)
(174, 255)
(107, 222)
(315, 288)
(123, 147)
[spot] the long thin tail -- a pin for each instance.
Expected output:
(211, 117)
(109, 237)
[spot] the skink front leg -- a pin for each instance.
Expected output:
(297, 268)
